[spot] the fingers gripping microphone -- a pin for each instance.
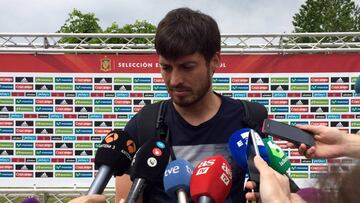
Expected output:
(211, 180)
(148, 166)
(177, 180)
(113, 157)
(279, 161)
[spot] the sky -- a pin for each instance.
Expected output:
(233, 16)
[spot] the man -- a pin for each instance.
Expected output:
(200, 121)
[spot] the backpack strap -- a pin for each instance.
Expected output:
(151, 123)
(150, 118)
(254, 115)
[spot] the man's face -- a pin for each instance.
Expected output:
(187, 78)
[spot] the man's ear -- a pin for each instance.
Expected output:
(215, 62)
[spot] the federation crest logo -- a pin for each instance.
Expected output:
(105, 65)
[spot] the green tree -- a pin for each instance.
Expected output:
(327, 16)
(140, 26)
(80, 23)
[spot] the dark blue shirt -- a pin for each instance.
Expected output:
(194, 143)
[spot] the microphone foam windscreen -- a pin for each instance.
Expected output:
(238, 143)
(116, 150)
(278, 159)
(212, 177)
(239, 147)
(150, 161)
(177, 176)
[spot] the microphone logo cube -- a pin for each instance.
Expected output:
(202, 171)
(225, 179)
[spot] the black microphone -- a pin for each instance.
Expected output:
(113, 157)
(148, 166)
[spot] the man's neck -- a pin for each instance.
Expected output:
(202, 110)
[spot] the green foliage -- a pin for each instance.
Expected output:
(80, 23)
(140, 26)
(327, 16)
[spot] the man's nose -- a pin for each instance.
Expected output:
(176, 78)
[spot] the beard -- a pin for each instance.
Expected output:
(195, 95)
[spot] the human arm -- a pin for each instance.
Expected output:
(274, 187)
(329, 143)
(122, 187)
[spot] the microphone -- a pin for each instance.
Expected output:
(148, 166)
(238, 146)
(211, 180)
(357, 85)
(243, 152)
(177, 178)
(279, 161)
(113, 157)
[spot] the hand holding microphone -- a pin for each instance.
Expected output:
(274, 187)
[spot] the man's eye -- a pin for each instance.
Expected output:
(188, 67)
(166, 68)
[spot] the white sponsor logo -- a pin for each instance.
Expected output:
(202, 171)
(225, 179)
(189, 170)
(151, 162)
(240, 143)
(172, 170)
(226, 170)
(206, 163)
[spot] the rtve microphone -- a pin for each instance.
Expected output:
(148, 166)
(211, 181)
(177, 178)
(113, 157)
(279, 161)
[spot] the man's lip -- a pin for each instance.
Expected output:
(180, 92)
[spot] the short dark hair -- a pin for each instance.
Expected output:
(184, 31)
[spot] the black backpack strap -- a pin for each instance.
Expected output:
(254, 115)
(147, 122)
(151, 123)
